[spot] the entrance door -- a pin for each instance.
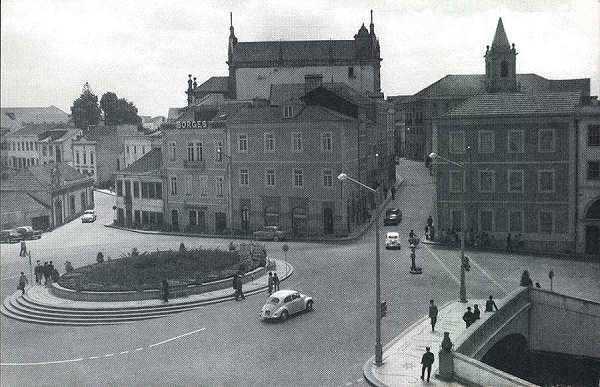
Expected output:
(175, 220)
(245, 219)
(128, 216)
(299, 221)
(72, 205)
(327, 220)
(592, 240)
(220, 222)
(58, 213)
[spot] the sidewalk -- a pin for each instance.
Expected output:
(357, 233)
(45, 297)
(402, 356)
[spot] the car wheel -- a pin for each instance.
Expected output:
(275, 238)
(284, 315)
(309, 306)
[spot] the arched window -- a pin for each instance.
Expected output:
(594, 211)
(503, 69)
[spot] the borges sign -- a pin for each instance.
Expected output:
(191, 124)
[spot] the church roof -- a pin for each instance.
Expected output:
(500, 40)
(33, 130)
(38, 178)
(511, 104)
(214, 85)
(302, 50)
(12, 201)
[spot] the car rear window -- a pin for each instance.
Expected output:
(273, 300)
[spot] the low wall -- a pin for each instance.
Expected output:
(473, 372)
(151, 294)
(564, 324)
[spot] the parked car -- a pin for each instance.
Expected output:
(392, 216)
(392, 240)
(27, 232)
(270, 233)
(10, 236)
(89, 216)
(284, 303)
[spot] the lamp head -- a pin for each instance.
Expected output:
(433, 155)
(342, 176)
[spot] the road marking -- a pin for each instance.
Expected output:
(176, 337)
(434, 255)
(485, 273)
(43, 362)
(100, 356)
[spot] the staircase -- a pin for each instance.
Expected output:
(33, 307)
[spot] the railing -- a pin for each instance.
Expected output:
(194, 164)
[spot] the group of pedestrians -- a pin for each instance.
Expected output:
(469, 317)
(47, 272)
(273, 282)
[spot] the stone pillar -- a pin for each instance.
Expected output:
(446, 359)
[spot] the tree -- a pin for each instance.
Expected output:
(118, 110)
(85, 110)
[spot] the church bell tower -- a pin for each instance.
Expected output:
(501, 63)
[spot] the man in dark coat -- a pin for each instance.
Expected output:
(45, 273)
(433, 312)
(239, 292)
(275, 281)
(38, 273)
(476, 312)
(22, 283)
(468, 317)
(270, 283)
(427, 360)
(393, 192)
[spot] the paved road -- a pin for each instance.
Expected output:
(225, 344)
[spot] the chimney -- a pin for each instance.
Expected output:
(312, 81)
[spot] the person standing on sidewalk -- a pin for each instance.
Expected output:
(393, 192)
(433, 312)
(508, 244)
(22, 283)
(427, 360)
(270, 283)
(468, 317)
(38, 273)
(165, 290)
(239, 292)
(476, 312)
(275, 281)
(490, 305)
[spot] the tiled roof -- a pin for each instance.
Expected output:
(38, 178)
(57, 134)
(148, 163)
(174, 113)
(215, 85)
(271, 114)
(12, 201)
(23, 180)
(284, 92)
(67, 173)
(34, 129)
(293, 50)
(508, 104)
(15, 116)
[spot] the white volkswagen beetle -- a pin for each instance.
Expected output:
(284, 303)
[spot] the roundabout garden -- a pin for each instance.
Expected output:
(142, 271)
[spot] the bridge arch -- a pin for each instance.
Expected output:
(510, 354)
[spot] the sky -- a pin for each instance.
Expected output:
(143, 50)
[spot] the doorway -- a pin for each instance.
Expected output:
(175, 220)
(327, 220)
(592, 239)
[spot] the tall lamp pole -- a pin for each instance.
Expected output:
(378, 347)
(463, 260)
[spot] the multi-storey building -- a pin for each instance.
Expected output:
(55, 145)
(22, 145)
(139, 189)
(516, 154)
(97, 151)
(418, 111)
(587, 199)
(137, 145)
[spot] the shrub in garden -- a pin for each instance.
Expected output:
(182, 248)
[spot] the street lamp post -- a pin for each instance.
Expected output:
(463, 260)
(378, 347)
(222, 154)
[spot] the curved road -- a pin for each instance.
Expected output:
(226, 344)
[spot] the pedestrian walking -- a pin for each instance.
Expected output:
(393, 193)
(468, 317)
(427, 361)
(45, 272)
(276, 281)
(429, 221)
(165, 290)
(427, 232)
(23, 251)
(489, 304)
(38, 273)
(239, 294)
(50, 272)
(508, 244)
(433, 312)
(22, 283)
(476, 312)
(55, 275)
(270, 282)
(431, 233)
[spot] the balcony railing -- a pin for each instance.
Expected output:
(194, 164)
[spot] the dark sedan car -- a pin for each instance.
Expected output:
(393, 216)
